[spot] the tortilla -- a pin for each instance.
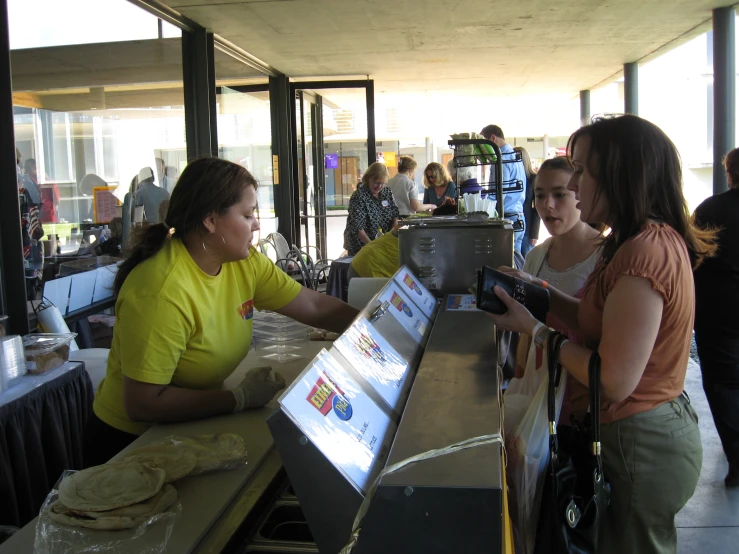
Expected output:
(214, 451)
(110, 486)
(126, 517)
(177, 462)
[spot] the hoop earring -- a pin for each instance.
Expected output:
(214, 233)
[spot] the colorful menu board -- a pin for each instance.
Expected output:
(416, 291)
(461, 303)
(375, 360)
(349, 429)
(406, 312)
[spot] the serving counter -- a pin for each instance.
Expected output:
(448, 391)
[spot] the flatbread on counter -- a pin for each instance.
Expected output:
(214, 451)
(125, 517)
(110, 486)
(177, 462)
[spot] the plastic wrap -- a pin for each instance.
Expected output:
(150, 537)
(213, 452)
(526, 430)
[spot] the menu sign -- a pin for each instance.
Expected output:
(406, 312)
(416, 291)
(375, 360)
(345, 425)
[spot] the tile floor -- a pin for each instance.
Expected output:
(709, 523)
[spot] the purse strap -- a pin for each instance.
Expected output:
(594, 391)
(554, 343)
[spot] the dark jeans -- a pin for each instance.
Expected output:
(102, 441)
(719, 359)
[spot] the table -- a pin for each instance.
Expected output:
(337, 283)
(215, 504)
(42, 420)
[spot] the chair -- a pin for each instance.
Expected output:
(362, 289)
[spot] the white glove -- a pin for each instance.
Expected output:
(257, 388)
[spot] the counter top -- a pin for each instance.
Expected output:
(209, 499)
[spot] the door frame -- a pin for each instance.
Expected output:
(314, 88)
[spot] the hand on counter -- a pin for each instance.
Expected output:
(257, 388)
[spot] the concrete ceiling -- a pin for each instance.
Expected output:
(508, 48)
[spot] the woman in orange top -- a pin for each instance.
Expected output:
(637, 313)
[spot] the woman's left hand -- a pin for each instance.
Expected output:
(517, 318)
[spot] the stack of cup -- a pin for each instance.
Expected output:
(12, 360)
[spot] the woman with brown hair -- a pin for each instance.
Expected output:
(637, 314)
(530, 213)
(716, 308)
(186, 297)
(438, 185)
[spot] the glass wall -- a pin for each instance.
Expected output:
(94, 111)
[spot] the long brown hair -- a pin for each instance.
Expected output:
(637, 168)
(206, 186)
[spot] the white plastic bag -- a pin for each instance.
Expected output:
(526, 431)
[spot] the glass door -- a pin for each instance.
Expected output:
(332, 128)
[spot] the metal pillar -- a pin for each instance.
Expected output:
(584, 108)
(724, 92)
(12, 271)
(631, 88)
(199, 80)
(282, 160)
(371, 144)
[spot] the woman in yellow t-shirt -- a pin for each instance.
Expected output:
(186, 296)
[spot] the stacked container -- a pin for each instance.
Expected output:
(278, 338)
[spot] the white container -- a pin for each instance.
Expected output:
(12, 360)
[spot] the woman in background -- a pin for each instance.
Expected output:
(405, 190)
(530, 214)
(371, 208)
(438, 185)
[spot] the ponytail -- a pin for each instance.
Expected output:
(147, 241)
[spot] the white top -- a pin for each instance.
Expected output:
(570, 280)
(404, 190)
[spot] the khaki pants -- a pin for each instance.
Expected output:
(652, 461)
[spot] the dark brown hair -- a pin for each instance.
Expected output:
(559, 163)
(206, 186)
(731, 164)
(637, 168)
(490, 130)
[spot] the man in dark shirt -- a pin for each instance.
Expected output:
(717, 315)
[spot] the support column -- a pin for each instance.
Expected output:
(724, 92)
(282, 160)
(12, 271)
(584, 108)
(371, 144)
(631, 88)
(199, 81)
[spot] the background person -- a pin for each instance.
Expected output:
(716, 309)
(438, 185)
(405, 190)
(512, 172)
(379, 258)
(149, 195)
(637, 312)
(530, 213)
(186, 297)
(371, 207)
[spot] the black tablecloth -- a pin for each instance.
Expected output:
(41, 434)
(337, 283)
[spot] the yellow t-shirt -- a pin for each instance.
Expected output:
(378, 258)
(176, 324)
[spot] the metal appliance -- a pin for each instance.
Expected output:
(445, 252)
